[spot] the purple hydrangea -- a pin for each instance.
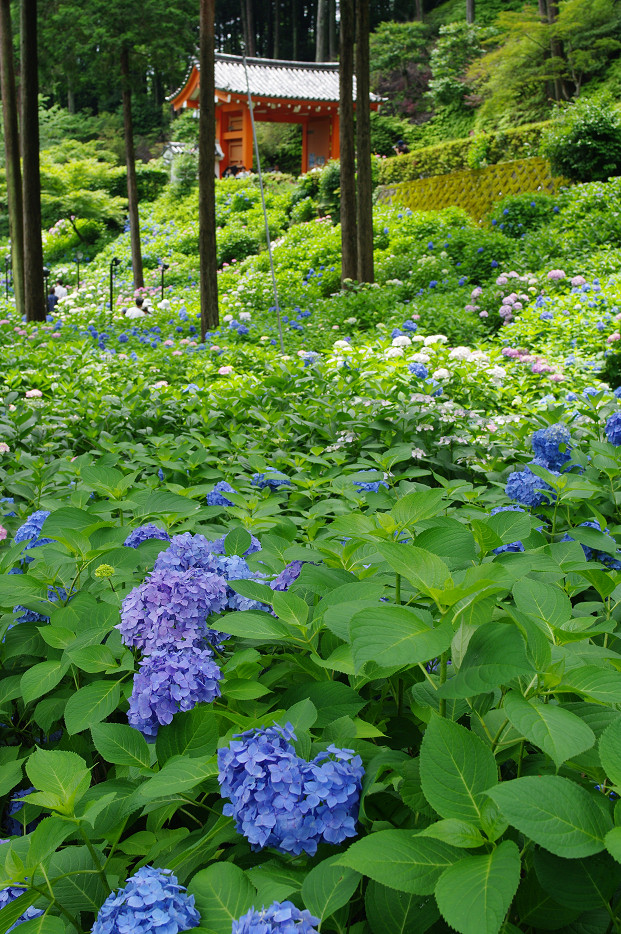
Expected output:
(273, 480)
(287, 576)
(30, 531)
(218, 545)
(169, 610)
(279, 918)
(283, 801)
(152, 902)
(169, 681)
(215, 497)
(143, 533)
(527, 489)
(186, 551)
(592, 554)
(419, 370)
(54, 594)
(13, 825)
(9, 895)
(613, 428)
(547, 443)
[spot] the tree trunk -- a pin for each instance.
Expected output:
(251, 48)
(363, 145)
(332, 35)
(320, 31)
(206, 175)
(130, 163)
(35, 300)
(419, 12)
(294, 27)
(349, 269)
(11, 152)
(276, 28)
(470, 12)
(543, 10)
(556, 48)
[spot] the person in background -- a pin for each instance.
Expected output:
(59, 290)
(401, 148)
(139, 311)
(52, 301)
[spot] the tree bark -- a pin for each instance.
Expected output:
(556, 48)
(349, 268)
(35, 300)
(543, 10)
(320, 31)
(294, 26)
(419, 12)
(470, 12)
(11, 152)
(250, 36)
(206, 176)
(363, 145)
(130, 163)
(276, 28)
(332, 34)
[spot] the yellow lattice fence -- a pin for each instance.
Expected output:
(475, 190)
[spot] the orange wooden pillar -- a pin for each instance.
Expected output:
(335, 141)
(304, 145)
(247, 140)
(219, 139)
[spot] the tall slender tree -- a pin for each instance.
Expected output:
(349, 248)
(206, 174)
(470, 11)
(321, 31)
(11, 150)
(34, 293)
(130, 165)
(364, 205)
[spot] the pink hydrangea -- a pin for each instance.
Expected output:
(501, 280)
(4, 448)
(3, 533)
(225, 370)
(483, 314)
(33, 393)
(556, 274)
(613, 337)
(576, 282)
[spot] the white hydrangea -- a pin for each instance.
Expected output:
(460, 353)
(441, 373)
(245, 316)
(401, 341)
(394, 352)
(436, 339)
(420, 358)
(341, 345)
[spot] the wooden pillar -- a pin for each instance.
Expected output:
(305, 146)
(247, 141)
(335, 129)
(219, 135)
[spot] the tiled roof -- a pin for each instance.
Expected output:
(277, 79)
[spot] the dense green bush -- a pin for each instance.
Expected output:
(583, 143)
(515, 215)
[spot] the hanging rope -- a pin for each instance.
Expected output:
(265, 220)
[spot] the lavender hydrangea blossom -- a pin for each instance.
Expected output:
(215, 497)
(527, 488)
(152, 902)
(170, 608)
(279, 918)
(547, 444)
(613, 428)
(8, 895)
(283, 801)
(12, 824)
(287, 576)
(143, 533)
(170, 681)
(30, 532)
(592, 554)
(273, 480)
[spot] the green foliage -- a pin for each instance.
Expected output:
(516, 215)
(280, 145)
(459, 44)
(584, 141)
(184, 174)
(399, 66)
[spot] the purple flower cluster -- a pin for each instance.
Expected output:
(283, 801)
(31, 616)
(215, 497)
(152, 902)
(13, 825)
(170, 608)
(143, 533)
(287, 576)
(279, 918)
(30, 531)
(273, 480)
(527, 489)
(9, 895)
(169, 681)
(547, 444)
(613, 428)
(186, 551)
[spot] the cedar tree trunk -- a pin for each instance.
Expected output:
(363, 145)
(470, 12)
(132, 184)
(206, 176)
(35, 300)
(11, 151)
(349, 268)
(320, 31)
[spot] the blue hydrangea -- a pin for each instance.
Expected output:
(169, 610)
(512, 546)
(370, 487)
(9, 895)
(10, 500)
(54, 594)
(273, 480)
(616, 394)
(152, 902)
(283, 801)
(418, 369)
(31, 530)
(13, 825)
(143, 533)
(169, 681)
(218, 546)
(592, 554)
(409, 325)
(215, 497)
(287, 576)
(526, 488)
(613, 428)
(279, 918)
(186, 551)
(547, 444)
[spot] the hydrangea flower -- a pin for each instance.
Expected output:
(215, 497)
(186, 551)
(287, 576)
(13, 825)
(370, 487)
(591, 554)
(31, 616)
(273, 480)
(31, 530)
(283, 801)
(512, 546)
(218, 546)
(169, 681)
(170, 608)
(152, 902)
(547, 443)
(418, 369)
(279, 918)
(144, 532)
(613, 428)
(526, 488)
(9, 895)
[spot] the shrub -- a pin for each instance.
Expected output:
(584, 141)
(236, 243)
(517, 214)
